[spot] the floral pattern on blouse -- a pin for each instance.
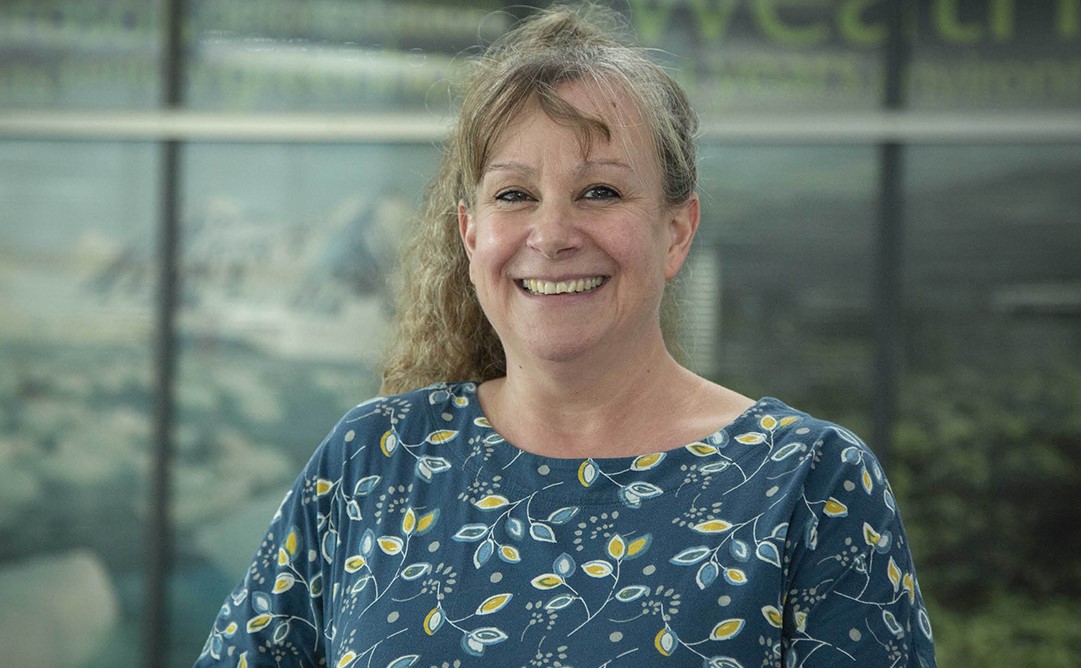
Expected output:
(417, 536)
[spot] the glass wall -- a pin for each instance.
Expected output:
(286, 243)
(286, 254)
(76, 376)
(988, 440)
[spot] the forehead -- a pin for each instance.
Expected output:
(628, 136)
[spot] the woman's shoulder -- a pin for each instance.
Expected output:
(829, 445)
(404, 413)
(410, 420)
(400, 405)
(775, 416)
(835, 462)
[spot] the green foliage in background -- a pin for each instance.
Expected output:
(987, 467)
(1011, 631)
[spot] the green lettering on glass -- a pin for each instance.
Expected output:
(948, 23)
(1068, 18)
(1002, 18)
(854, 29)
(713, 18)
(769, 20)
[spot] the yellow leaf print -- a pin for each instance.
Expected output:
(768, 422)
(432, 621)
(442, 436)
(702, 449)
(646, 462)
(409, 522)
(546, 581)
(425, 522)
(867, 485)
(735, 576)
(346, 659)
(391, 545)
(637, 545)
(665, 642)
(587, 473)
(751, 438)
(729, 628)
(772, 615)
(355, 563)
(894, 574)
(388, 443)
(259, 622)
(461, 401)
(230, 630)
(243, 662)
(510, 553)
(491, 502)
(284, 582)
(291, 542)
(598, 568)
(785, 421)
(835, 508)
(910, 586)
(617, 547)
(494, 603)
(482, 422)
(283, 557)
(323, 486)
(870, 535)
(712, 526)
(801, 622)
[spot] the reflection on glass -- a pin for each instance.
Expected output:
(327, 55)
(89, 54)
(288, 254)
(790, 231)
(988, 440)
(76, 286)
(995, 55)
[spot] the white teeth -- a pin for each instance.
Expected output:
(540, 287)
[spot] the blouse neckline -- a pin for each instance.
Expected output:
(665, 470)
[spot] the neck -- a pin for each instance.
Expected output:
(581, 403)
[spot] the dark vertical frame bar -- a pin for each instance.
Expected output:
(889, 242)
(159, 531)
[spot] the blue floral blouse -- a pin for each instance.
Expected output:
(417, 536)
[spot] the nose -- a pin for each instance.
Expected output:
(554, 231)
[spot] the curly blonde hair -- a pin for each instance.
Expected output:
(442, 334)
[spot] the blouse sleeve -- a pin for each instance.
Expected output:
(851, 595)
(275, 615)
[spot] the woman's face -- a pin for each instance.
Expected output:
(570, 251)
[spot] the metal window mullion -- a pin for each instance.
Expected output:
(889, 244)
(160, 527)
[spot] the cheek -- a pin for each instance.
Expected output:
(644, 249)
(495, 246)
(485, 265)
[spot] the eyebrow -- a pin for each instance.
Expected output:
(583, 167)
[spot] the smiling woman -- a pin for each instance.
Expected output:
(542, 482)
(557, 213)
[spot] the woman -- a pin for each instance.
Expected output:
(561, 491)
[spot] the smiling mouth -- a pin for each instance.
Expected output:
(535, 286)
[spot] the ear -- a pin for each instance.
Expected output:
(466, 229)
(682, 226)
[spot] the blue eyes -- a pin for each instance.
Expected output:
(600, 192)
(592, 192)
(512, 196)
